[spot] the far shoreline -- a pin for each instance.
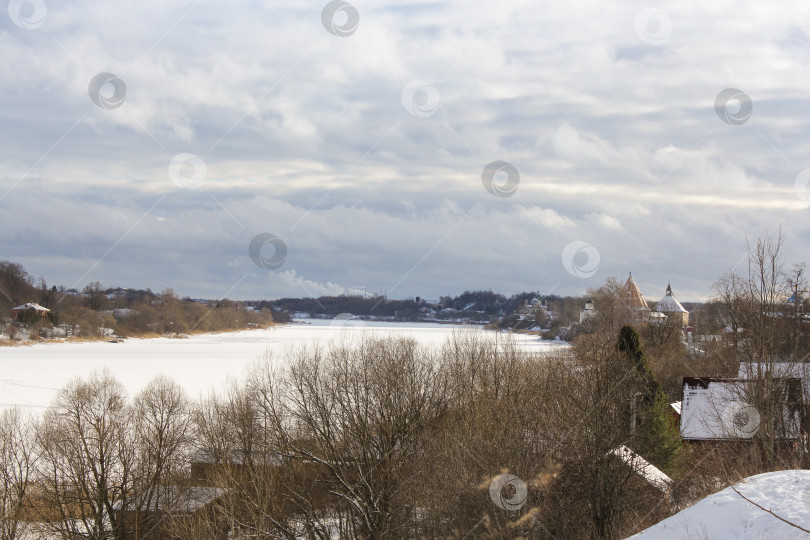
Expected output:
(118, 339)
(11, 343)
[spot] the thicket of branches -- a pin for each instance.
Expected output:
(765, 306)
(378, 438)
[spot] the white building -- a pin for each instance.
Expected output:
(588, 312)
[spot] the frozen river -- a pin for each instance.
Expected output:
(30, 376)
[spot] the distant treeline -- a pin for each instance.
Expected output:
(98, 311)
(479, 306)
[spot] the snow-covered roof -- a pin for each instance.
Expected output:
(669, 304)
(649, 472)
(798, 370)
(206, 456)
(710, 408)
(179, 499)
(676, 407)
(718, 409)
(728, 516)
(31, 305)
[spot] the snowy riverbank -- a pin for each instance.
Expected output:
(32, 375)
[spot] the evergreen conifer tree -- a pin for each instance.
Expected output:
(656, 437)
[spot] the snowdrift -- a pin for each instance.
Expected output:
(727, 516)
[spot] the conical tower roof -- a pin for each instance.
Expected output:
(633, 298)
(669, 304)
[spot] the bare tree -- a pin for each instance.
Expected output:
(603, 400)
(598, 333)
(16, 469)
(161, 440)
(235, 454)
(16, 285)
(351, 416)
(768, 339)
(94, 297)
(797, 337)
(495, 425)
(85, 460)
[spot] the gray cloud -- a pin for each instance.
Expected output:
(304, 135)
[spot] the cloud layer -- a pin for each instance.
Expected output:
(365, 153)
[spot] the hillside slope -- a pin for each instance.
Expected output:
(727, 516)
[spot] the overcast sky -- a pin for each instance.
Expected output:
(151, 143)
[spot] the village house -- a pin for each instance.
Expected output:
(18, 312)
(721, 409)
(206, 464)
(176, 508)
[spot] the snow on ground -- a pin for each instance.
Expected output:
(30, 376)
(727, 516)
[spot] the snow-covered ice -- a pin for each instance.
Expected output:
(727, 516)
(31, 375)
